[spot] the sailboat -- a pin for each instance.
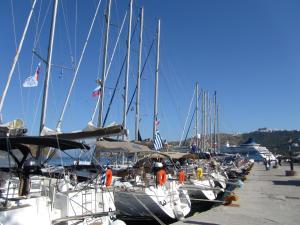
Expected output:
(138, 195)
(55, 196)
(32, 194)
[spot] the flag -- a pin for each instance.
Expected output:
(157, 122)
(103, 176)
(157, 141)
(33, 81)
(96, 91)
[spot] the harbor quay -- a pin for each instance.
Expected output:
(267, 197)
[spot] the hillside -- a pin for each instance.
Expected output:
(275, 141)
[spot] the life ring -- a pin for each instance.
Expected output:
(199, 173)
(108, 177)
(181, 177)
(161, 177)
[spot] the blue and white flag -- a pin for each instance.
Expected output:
(103, 176)
(157, 141)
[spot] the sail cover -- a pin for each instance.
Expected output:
(121, 146)
(97, 132)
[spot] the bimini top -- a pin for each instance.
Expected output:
(249, 142)
(172, 155)
(63, 144)
(25, 145)
(121, 146)
(89, 133)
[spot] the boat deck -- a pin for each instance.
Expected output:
(267, 197)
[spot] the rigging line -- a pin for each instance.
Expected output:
(178, 83)
(28, 97)
(75, 33)
(15, 60)
(144, 65)
(36, 110)
(68, 32)
(187, 117)
(32, 56)
(187, 133)
(168, 89)
(36, 33)
(18, 65)
(43, 23)
(77, 68)
(61, 161)
(117, 41)
(118, 79)
(95, 110)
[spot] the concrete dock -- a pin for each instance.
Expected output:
(267, 197)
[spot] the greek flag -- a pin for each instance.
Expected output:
(157, 141)
(103, 176)
(33, 81)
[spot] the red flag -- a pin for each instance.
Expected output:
(96, 91)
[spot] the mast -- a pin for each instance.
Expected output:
(16, 59)
(137, 112)
(127, 66)
(156, 79)
(215, 118)
(197, 98)
(210, 122)
(48, 66)
(100, 117)
(202, 119)
(218, 127)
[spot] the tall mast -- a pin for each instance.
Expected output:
(137, 112)
(215, 117)
(16, 59)
(218, 127)
(48, 67)
(210, 122)
(206, 119)
(156, 79)
(127, 65)
(100, 117)
(202, 119)
(197, 98)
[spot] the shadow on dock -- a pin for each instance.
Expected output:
(288, 182)
(197, 222)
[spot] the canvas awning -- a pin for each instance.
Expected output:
(172, 155)
(121, 147)
(59, 143)
(26, 145)
(95, 132)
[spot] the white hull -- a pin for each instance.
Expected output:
(81, 204)
(219, 179)
(163, 202)
(202, 189)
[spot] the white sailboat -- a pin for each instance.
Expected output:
(32, 194)
(138, 195)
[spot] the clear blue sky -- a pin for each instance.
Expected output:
(249, 51)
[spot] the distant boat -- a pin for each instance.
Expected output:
(250, 148)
